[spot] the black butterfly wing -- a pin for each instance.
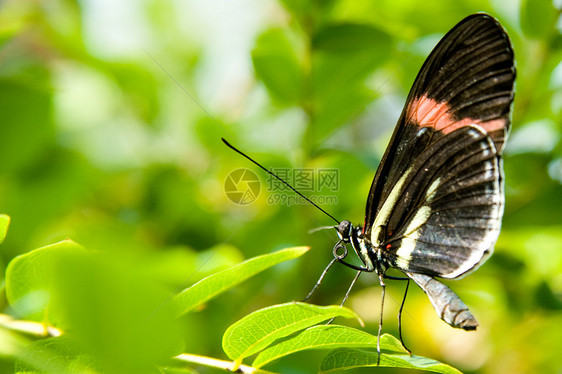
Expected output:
(436, 201)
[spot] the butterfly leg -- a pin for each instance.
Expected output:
(320, 279)
(400, 318)
(383, 286)
(351, 286)
(347, 293)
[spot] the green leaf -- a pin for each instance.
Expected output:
(53, 355)
(343, 57)
(4, 223)
(297, 7)
(256, 331)
(519, 245)
(215, 284)
(352, 358)
(538, 18)
(29, 278)
(351, 37)
(334, 110)
(325, 337)
(277, 66)
(25, 133)
(115, 313)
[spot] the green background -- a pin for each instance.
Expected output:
(111, 115)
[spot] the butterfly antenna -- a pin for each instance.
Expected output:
(312, 231)
(278, 178)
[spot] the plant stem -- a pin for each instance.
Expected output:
(216, 363)
(29, 327)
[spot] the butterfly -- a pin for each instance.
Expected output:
(435, 205)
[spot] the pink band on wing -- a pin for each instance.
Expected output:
(427, 112)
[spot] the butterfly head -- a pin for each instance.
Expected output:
(348, 233)
(345, 231)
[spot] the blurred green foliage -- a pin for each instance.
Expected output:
(111, 117)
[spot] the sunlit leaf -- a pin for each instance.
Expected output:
(213, 285)
(353, 358)
(325, 337)
(4, 223)
(258, 330)
(29, 278)
(53, 355)
(172, 265)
